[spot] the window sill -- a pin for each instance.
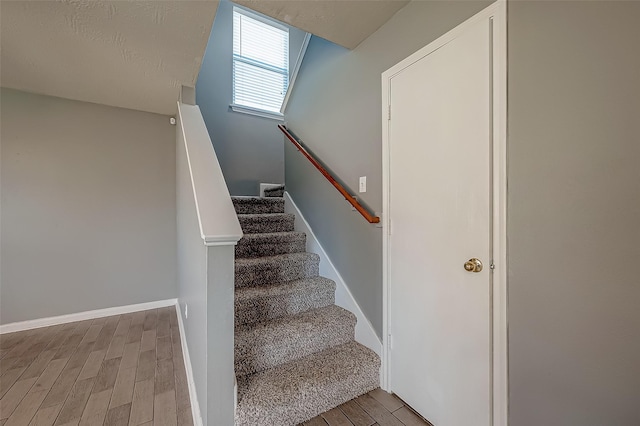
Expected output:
(257, 112)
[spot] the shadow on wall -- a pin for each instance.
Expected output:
(358, 256)
(249, 148)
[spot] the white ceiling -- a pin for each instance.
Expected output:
(130, 54)
(344, 22)
(137, 54)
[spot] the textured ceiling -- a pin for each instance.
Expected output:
(344, 22)
(130, 54)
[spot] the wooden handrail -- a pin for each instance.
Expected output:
(350, 198)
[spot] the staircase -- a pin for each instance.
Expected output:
(295, 353)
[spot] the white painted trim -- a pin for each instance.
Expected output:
(260, 17)
(365, 333)
(120, 310)
(257, 112)
(497, 13)
(193, 396)
(500, 301)
(81, 316)
(220, 240)
(294, 74)
(217, 218)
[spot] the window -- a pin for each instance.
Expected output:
(260, 63)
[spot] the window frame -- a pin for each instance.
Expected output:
(259, 112)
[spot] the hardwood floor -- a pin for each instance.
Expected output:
(120, 370)
(128, 370)
(377, 408)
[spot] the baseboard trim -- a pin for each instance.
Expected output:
(81, 316)
(119, 310)
(193, 396)
(365, 333)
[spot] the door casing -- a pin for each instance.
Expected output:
(497, 14)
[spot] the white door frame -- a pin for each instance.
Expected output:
(497, 13)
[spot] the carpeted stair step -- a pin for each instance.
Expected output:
(255, 304)
(275, 269)
(268, 344)
(265, 223)
(258, 205)
(276, 191)
(298, 391)
(270, 244)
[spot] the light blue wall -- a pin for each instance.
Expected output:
(574, 194)
(249, 148)
(335, 108)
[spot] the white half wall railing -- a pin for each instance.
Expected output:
(208, 230)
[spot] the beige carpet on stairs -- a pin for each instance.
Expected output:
(295, 353)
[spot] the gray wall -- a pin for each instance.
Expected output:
(205, 276)
(205, 292)
(88, 207)
(220, 367)
(192, 273)
(249, 148)
(336, 109)
(574, 210)
(574, 192)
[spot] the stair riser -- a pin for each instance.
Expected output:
(294, 394)
(270, 273)
(272, 307)
(252, 249)
(265, 224)
(257, 351)
(258, 205)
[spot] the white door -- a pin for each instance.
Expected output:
(440, 140)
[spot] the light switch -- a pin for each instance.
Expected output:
(363, 184)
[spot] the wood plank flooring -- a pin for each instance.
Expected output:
(129, 370)
(376, 408)
(120, 370)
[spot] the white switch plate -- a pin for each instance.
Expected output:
(363, 184)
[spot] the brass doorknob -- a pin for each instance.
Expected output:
(473, 265)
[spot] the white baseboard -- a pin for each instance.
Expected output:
(365, 333)
(81, 316)
(193, 396)
(119, 310)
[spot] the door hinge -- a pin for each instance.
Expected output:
(389, 115)
(390, 341)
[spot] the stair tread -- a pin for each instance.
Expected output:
(255, 271)
(277, 258)
(287, 287)
(270, 244)
(260, 223)
(253, 197)
(251, 204)
(275, 235)
(270, 301)
(299, 324)
(266, 344)
(297, 391)
(264, 215)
